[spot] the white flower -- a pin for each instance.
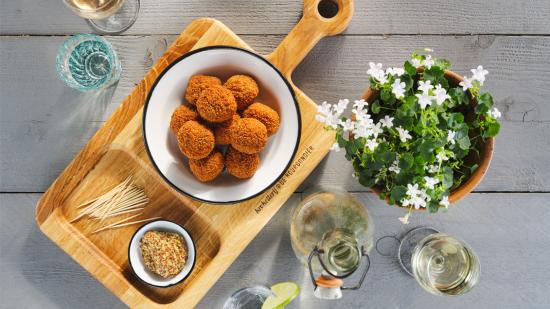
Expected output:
(445, 202)
(372, 144)
(403, 134)
(479, 74)
(412, 189)
(433, 168)
(425, 86)
(466, 83)
(424, 99)
(495, 113)
(451, 137)
(440, 95)
(353, 175)
(361, 115)
(430, 182)
(417, 198)
(395, 167)
(441, 156)
(341, 106)
(360, 104)
(376, 129)
(405, 218)
(428, 62)
(387, 121)
(395, 71)
(416, 62)
(398, 88)
(377, 72)
(335, 147)
(347, 125)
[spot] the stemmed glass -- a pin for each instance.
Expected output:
(106, 16)
(440, 263)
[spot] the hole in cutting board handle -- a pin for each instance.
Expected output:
(328, 8)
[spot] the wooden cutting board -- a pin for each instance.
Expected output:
(117, 151)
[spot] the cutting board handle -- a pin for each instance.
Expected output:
(310, 29)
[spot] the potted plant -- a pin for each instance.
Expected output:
(421, 137)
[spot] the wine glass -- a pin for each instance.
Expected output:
(106, 16)
(441, 264)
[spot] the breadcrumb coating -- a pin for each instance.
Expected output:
(222, 132)
(207, 169)
(241, 165)
(195, 140)
(197, 84)
(244, 88)
(216, 104)
(181, 115)
(248, 135)
(265, 115)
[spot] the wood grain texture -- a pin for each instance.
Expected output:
(117, 151)
(512, 247)
(40, 116)
(48, 17)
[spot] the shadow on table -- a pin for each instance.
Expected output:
(71, 122)
(56, 276)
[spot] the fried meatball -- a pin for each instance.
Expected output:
(216, 104)
(244, 88)
(265, 115)
(222, 132)
(241, 165)
(207, 169)
(181, 115)
(197, 84)
(248, 135)
(195, 140)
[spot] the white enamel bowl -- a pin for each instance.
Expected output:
(136, 259)
(167, 94)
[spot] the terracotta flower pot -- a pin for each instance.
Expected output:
(485, 155)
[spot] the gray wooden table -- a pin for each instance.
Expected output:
(44, 124)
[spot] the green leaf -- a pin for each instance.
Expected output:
(434, 74)
(493, 128)
(375, 107)
(406, 161)
(410, 69)
(398, 193)
(473, 168)
(426, 149)
(447, 177)
(458, 97)
(464, 142)
(484, 103)
(366, 181)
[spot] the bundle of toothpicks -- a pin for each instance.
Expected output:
(126, 198)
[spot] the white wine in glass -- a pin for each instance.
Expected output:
(444, 265)
(107, 16)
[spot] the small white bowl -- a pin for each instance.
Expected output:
(167, 94)
(136, 258)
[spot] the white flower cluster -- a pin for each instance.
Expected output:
(330, 114)
(415, 197)
(429, 95)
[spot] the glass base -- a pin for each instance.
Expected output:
(120, 21)
(248, 298)
(408, 243)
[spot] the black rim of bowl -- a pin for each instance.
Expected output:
(296, 105)
(175, 283)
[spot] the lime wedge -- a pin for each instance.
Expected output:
(284, 292)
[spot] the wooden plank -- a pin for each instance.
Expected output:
(277, 17)
(511, 245)
(40, 116)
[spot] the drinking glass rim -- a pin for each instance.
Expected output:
(74, 41)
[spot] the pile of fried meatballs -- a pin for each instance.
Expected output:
(223, 116)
